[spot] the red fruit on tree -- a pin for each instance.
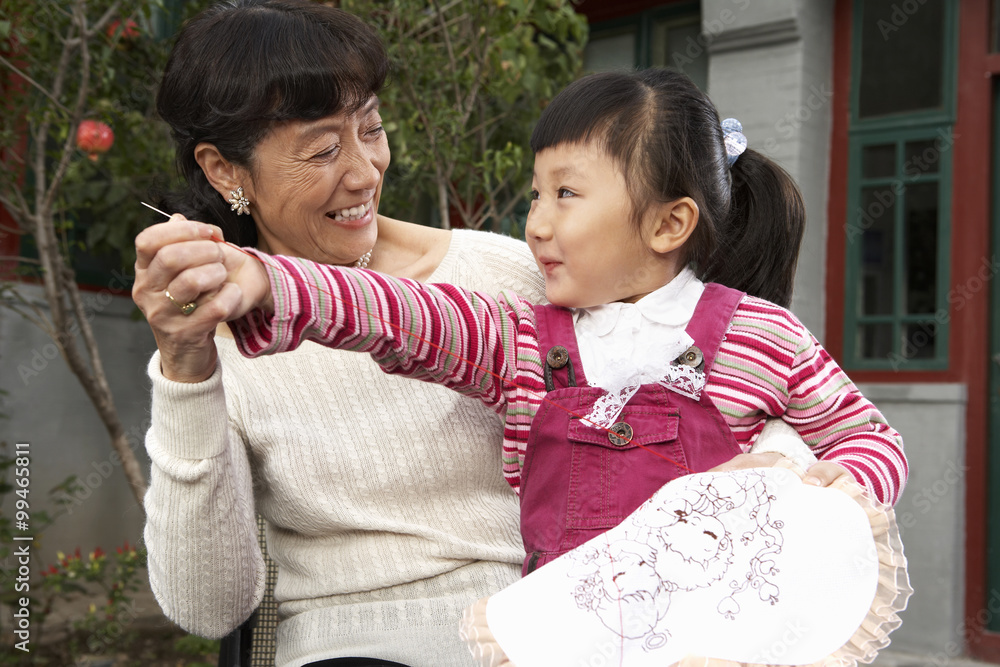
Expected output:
(128, 32)
(93, 138)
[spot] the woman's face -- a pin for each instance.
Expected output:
(315, 186)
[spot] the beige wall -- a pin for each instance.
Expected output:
(771, 66)
(49, 410)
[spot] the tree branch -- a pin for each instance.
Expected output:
(434, 29)
(78, 108)
(97, 388)
(41, 323)
(44, 232)
(37, 317)
(453, 64)
(486, 124)
(440, 176)
(513, 201)
(99, 24)
(420, 24)
(20, 211)
(42, 131)
(19, 259)
(42, 89)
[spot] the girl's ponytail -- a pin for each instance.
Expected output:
(758, 243)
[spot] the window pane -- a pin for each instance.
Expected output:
(610, 50)
(995, 34)
(920, 222)
(875, 341)
(921, 157)
(920, 341)
(877, 215)
(902, 47)
(878, 161)
(677, 44)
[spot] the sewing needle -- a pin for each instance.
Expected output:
(166, 215)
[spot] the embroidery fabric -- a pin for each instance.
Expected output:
(713, 554)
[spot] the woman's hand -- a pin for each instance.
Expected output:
(180, 257)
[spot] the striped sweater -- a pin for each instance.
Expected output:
(487, 347)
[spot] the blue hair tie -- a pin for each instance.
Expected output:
(735, 140)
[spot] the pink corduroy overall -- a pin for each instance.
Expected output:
(578, 481)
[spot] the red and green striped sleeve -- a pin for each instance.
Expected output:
(769, 364)
(479, 345)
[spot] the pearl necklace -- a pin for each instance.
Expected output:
(362, 262)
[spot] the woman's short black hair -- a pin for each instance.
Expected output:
(242, 66)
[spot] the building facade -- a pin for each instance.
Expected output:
(886, 113)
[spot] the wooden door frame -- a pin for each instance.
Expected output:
(971, 214)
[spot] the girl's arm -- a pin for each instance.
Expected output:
(438, 333)
(769, 363)
(842, 426)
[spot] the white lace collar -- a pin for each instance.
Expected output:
(625, 345)
(671, 305)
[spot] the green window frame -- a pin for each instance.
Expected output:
(915, 152)
(993, 483)
(643, 24)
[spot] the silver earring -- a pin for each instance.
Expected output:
(240, 203)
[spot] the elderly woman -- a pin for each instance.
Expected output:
(386, 509)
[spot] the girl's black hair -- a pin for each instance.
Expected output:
(242, 66)
(666, 138)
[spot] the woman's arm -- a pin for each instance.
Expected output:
(205, 565)
(180, 258)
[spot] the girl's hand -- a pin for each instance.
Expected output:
(180, 257)
(825, 473)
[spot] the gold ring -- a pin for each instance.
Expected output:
(186, 308)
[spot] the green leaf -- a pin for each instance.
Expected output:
(472, 139)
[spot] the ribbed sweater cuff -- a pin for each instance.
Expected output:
(189, 419)
(257, 332)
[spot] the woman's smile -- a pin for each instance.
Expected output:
(355, 216)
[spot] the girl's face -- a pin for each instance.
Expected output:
(315, 189)
(581, 232)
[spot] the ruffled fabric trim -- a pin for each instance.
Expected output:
(894, 588)
(476, 633)
(872, 635)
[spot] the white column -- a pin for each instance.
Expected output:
(771, 66)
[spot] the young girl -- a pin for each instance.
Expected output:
(639, 371)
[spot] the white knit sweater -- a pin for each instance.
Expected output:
(387, 509)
